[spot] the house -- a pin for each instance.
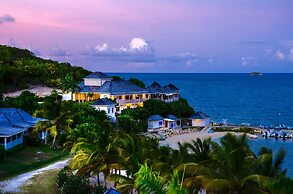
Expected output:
(172, 122)
(200, 119)
(167, 93)
(14, 124)
(98, 85)
(155, 123)
(104, 104)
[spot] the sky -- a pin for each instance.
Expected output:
(186, 36)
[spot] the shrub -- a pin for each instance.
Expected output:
(2, 151)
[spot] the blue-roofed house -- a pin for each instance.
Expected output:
(14, 124)
(172, 122)
(200, 119)
(155, 123)
(167, 93)
(104, 104)
(98, 85)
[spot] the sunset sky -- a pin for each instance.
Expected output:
(154, 35)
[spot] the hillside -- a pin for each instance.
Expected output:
(20, 68)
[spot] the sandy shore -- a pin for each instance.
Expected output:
(40, 91)
(188, 137)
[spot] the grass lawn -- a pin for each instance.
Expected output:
(29, 158)
(44, 183)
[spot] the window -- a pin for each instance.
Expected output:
(108, 110)
(1, 140)
(13, 137)
(160, 123)
(112, 110)
(18, 135)
(8, 139)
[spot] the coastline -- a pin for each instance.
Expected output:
(188, 137)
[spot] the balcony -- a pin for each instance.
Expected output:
(130, 101)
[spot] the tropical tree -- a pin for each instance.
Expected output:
(69, 84)
(149, 181)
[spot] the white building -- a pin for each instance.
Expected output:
(200, 119)
(172, 122)
(106, 105)
(155, 123)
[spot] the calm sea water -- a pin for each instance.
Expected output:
(239, 98)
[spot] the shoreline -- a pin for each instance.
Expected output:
(188, 137)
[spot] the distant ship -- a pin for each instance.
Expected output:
(256, 73)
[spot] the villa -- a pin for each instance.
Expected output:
(98, 85)
(157, 123)
(106, 105)
(14, 124)
(200, 119)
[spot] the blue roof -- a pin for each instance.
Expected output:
(155, 118)
(103, 101)
(14, 119)
(121, 87)
(112, 191)
(8, 131)
(157, 88)
(172, 117)
(114, 88)
(199, 115)
(97, 75)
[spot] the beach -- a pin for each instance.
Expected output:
(188, 137)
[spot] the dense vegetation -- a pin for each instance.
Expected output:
(135, 119)
(20, 68)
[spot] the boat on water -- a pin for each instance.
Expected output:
(255, 73)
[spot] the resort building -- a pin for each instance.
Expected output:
(172, 122)
(14, 124)
(167, 93)
(98, 85)
(200, 119)
(157, 123)
(106, 105)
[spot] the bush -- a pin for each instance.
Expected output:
(32, 139)
(2, 151)
(73, 184)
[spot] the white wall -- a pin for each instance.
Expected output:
(155, 124)
(109, 109)
(201, 122)
(66, 96)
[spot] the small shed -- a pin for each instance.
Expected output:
(104, 104)
(200, 119)
(171, 122)
(155, 123)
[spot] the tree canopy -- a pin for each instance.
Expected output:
(20, 68)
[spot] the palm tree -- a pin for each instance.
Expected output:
(149, 181)
(68, 84)
(54, 127)
(231, 169)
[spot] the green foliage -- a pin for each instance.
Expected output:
(137, 82)
(2, 151)
(130, 125)
(117, 78)
(20, 68)
(73, 184)
(26, 101)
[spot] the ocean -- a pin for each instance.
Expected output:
(237, 98)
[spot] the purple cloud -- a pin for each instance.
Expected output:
(6, 19)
